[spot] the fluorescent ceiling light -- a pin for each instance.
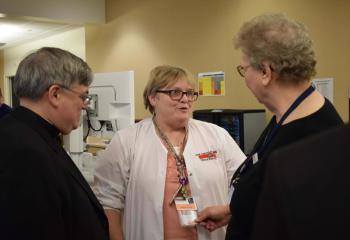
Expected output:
(8, 31)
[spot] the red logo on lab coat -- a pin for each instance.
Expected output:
(211, 155)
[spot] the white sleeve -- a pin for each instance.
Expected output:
(111, 174)
(232, 154)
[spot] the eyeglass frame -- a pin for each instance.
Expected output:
(242, 70)
(170, 91)
(85, 97)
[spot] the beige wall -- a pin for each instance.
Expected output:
(197, 35)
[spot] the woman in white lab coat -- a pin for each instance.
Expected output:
(148, 165)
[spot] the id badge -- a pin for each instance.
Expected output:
(230, 193)
(186, 210)
(255, 158)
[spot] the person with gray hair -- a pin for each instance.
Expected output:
(43, 194)
(277, 64)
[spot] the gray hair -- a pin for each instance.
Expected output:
(48, 66)
(162, 76)
(281, 41)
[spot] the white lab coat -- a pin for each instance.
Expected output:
(130, 175)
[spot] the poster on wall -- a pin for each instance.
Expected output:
(325, 87)
(211, 83)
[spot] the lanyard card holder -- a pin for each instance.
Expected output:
(186, 210)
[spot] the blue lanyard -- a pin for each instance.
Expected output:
(249, 161)
(273, 132)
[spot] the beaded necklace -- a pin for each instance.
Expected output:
(180, 161)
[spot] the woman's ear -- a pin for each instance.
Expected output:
(53, 95)
(152, 99)
(267, 73)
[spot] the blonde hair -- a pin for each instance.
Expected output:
(162, 76)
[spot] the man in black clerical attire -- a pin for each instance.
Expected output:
(43, 194)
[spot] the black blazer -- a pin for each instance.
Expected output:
(43, 195)
(306, 193)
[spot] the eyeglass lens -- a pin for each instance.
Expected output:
(241, 70)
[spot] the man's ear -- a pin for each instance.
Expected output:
(53, 95)
(267, 73)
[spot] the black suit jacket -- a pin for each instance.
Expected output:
(306, 193)
(42, 193)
